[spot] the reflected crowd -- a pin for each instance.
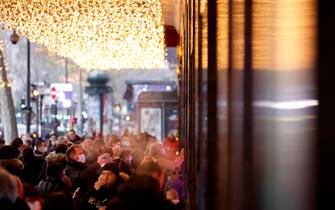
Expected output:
(71, 172)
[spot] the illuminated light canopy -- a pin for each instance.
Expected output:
(96, 34)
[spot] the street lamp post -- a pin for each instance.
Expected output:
(37, 116)
(28, 114)
(14, 38)
(41, 116)
(35, 95)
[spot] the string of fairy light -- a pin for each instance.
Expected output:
(95, 34)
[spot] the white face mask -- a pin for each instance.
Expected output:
(130, 158)
(43, 149)
(126, 143)
(35, 205)
(82, 158)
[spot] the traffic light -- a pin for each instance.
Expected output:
(34, 91)
(23, 104)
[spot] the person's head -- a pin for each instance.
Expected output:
(27, 154)
(125, 132)
(53, 138)
(152, 169)
(76, 153)
(126, 155)
(17, 144)
(113, 140)
(55, 170)
(8, 186)
(116, 149)
(61, 148)
(151, 142)
(66, 141)
(110, 174)
(58, 201)
(172, 194)
(41, 146)
(86, 145)
(98, 147)
(155, 149)
(27, 140)
(72, 135)
(143, 139)
(7, 152)
(140, 188)
(28, 143)
(56, 158)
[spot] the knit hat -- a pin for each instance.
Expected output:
(112, 167)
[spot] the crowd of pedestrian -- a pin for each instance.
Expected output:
(125, 172)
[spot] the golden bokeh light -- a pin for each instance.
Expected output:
(95, 34)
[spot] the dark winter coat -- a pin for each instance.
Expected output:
(49, 185)
(81, 176)
(96, 198)
(19, 204)
(32, 170)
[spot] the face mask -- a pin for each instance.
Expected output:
(82, 158)
(130, 158)
(126, 143)
(43, 149)
(35, 205)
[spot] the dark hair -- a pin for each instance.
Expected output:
(61, 148)
(113, 168)
(124, 153)
(7, 152)
(53, 134)
(139, 188)
(28, 154)
(54, 170)
(57, 201)
(16, 143)
(97, 144)
(71, 150)
(143, 139)
(39, 142)
(72, 131)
